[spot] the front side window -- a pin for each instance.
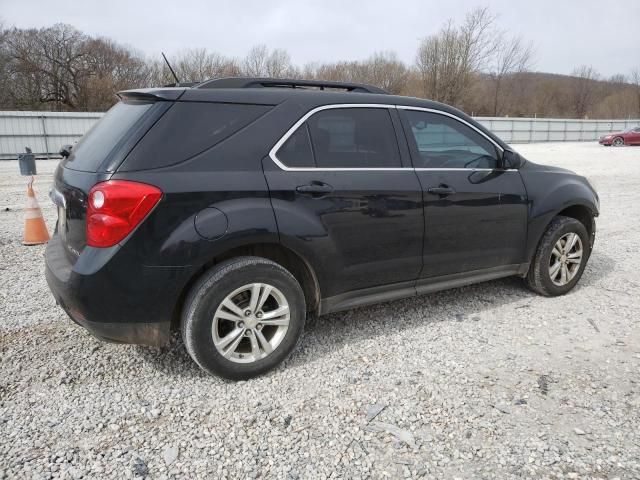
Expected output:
(343, 138)
(444, 142)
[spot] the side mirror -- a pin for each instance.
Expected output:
(65, 151)
(511, 159)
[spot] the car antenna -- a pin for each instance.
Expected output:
(171, 69)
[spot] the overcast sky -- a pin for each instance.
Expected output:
(565, 33)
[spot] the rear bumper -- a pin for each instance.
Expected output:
(112, 296)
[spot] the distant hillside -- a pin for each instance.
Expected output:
(544, 94)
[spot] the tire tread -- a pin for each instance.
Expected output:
(535, 278)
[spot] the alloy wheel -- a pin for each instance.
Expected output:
(250, 323)
(566, 258)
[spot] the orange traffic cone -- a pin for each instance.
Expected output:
(35, 230)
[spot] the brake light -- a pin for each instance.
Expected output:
(115, 208)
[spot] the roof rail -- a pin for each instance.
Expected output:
(182, 84)
(249, 82)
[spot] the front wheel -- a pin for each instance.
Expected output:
(618, 142)
(243, 318)
(560, 258)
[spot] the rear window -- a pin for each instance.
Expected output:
(296, 151)
(190, 128)
(106, 136)
(354, 138)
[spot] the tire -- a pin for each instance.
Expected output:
(206, 322)
(618, 142)
(539, 278)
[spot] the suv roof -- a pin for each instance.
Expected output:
(272, 91)
(307, 94)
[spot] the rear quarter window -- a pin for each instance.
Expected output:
(188, 129)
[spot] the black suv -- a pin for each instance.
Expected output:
(234, 209)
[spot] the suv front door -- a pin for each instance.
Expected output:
(475, 211)
(346, 197)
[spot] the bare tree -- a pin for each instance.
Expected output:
(618, 79)
(260, 62)
(197, 65)
(472, 65)
(584, 90)
(5, 97)
(447, 61)
(512, 56)
(382, 69)
(635, 81)
(278, 64)
(49, 63)
(110, 68)
(386, 71)
(255, 62)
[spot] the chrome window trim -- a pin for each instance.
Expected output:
(291, 131)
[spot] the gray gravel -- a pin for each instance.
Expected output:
(485, 381)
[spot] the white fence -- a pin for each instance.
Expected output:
(529, 130)
(43, 132)
(46, 132)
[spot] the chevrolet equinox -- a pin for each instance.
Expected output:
(234, 209)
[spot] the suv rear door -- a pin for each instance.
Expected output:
(475, 211)
(345, 196)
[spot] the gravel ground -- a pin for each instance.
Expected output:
(487, 381)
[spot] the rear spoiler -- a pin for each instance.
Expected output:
(152, 94)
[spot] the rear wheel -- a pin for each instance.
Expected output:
(617, 142)
(560, 258)
(243, 317)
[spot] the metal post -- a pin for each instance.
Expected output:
(44, 132)
(532, 130)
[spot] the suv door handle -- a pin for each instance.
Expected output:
(315, 188)
(443, 190)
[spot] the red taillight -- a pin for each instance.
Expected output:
(116, 207)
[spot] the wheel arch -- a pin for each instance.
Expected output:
(582, 213)
(579, 211)
(276, 252)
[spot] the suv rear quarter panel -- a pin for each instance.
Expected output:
(227, 177)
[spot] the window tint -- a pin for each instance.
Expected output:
(354, 138)
(296, 151)
(444, 142)
(189, 128)
(106, 136)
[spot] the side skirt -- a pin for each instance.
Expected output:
(386, 293)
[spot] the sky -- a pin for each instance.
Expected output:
(564, 33)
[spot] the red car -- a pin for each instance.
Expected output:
(630, 136)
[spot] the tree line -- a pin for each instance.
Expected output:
(474, 65)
